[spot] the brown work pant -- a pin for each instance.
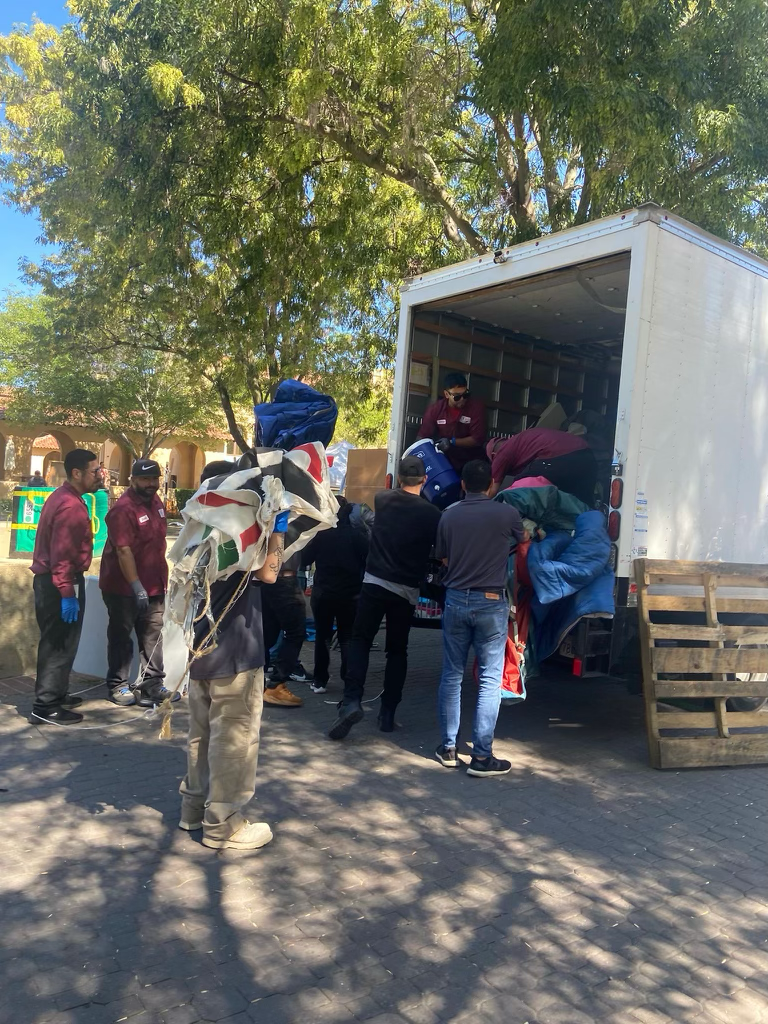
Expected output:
(222, 752)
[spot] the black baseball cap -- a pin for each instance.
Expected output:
(145, 467)
(411, 466)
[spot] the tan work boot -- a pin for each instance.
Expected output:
(281, 696)
(250, 836)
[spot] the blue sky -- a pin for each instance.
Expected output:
(18, 233)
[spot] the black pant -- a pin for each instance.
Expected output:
(283, 610)
(325, 610)
(374, 603)
(124, 619)
(58, 642)
(575, 473)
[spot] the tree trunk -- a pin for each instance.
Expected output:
(229, 412)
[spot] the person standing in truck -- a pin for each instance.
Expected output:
(456, 423)
(565, 460)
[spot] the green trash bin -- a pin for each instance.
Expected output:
(28, 504)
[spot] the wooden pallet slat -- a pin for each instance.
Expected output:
(709, 659)
(696, 647)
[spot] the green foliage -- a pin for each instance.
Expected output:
(182, 495)
(239, 187)
(365, 421)
(138, 397)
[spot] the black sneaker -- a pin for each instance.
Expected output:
(387, 720)
(56, 715)
(447, 757)
(349, 715)
(300, 675)
(490, 766)
(71, 701)
(154, 696)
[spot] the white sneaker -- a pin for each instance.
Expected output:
(318, 687)
(250, 836)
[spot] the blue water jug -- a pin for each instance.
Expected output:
(443, 485)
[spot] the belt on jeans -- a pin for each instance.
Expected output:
(478, 590)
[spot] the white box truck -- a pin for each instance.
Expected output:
(642, 317)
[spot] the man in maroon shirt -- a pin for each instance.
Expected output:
(565, 460)
(63, 552)
(456, 422)
(133, 581)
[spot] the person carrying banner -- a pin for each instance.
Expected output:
(226, 689)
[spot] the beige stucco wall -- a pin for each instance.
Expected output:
(18, 629)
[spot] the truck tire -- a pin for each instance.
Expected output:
(749, 703)
(746, 703)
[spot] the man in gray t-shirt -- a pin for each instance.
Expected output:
(474, 539)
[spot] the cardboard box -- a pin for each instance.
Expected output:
(366, 474)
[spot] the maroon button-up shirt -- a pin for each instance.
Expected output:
(139, 525)
(440, 420)
(64, 539)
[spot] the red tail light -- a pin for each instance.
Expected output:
(614, 525)
(388, 482)
(617, 492)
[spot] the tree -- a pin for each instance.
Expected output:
(365, 423)
(139, 399)
(503, 120)
(241, 185)
(185, 237)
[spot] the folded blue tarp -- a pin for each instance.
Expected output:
(571, 577)
(297, 414)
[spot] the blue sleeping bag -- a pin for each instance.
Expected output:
(571, 577)
(297, 414)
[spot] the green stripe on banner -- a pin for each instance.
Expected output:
(227, 554)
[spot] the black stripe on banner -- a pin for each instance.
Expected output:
(300, 483)
(254, 483)
(298, 526)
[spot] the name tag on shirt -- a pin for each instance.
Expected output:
(161, 513)
(143, 519)
(465, 419)
(441, 423)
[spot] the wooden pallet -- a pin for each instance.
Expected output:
(701, 623)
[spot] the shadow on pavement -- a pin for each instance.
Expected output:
(583, 887)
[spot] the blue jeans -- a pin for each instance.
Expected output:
(471, 619)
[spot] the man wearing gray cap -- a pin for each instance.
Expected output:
(133, 581)
(404, 531)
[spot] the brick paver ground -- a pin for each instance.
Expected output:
(584, 887)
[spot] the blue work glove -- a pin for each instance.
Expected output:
(142, 598)
(281, 521)
(70, 609)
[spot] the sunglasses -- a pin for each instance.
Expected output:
(458, 396)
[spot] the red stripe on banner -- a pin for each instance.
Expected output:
(216, 500)
(250, 536)
(315, 465)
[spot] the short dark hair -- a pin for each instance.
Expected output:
(217, 468)
(411, 471)
(454, 380)
(78, 458)
(476, 476)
